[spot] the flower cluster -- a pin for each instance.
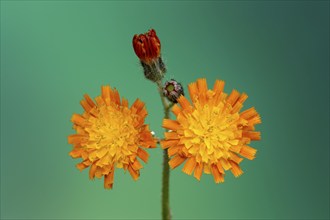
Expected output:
(210, 133)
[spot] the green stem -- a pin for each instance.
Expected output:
(166, 215)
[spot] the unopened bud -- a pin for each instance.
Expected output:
(172, 90)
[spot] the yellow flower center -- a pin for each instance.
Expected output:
(210, 131)
(112, 136)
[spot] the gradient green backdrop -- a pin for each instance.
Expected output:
(52, 52)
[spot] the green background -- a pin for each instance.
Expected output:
(53, 52)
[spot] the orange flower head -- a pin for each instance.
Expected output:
(110, 135)
(147, 46)
(210, 133)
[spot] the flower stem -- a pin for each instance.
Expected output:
(166, 215)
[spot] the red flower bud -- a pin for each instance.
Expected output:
(147, 46)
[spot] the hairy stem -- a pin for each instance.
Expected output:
(166, 215)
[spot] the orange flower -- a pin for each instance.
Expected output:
(110, 135)
(147, 46)
(210, 134)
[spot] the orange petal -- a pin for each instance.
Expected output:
(235, 169)
(106, 169)
(202, 85)
(225, 164)
(82, 165)
(134, 173)
(171, 124)
(77, 139)
(171, 135)
(92, 171)
(218, 86)
(106, 94)
(173, 150)
(143, 113)
(146, 131)
(78, 119)
(89, 100)
(176, 110)
(233, 97)
(99, 172)
(81, 130)
(198, 171)
(255, 120)
(85, 105)
(249, 113)
(138, 105)
(185, 104)
(237, 107)
(124, 102)
(242, 98)
(114, 96)
(235, 158)
(99, 100)
(202, 88)
(168, 143)
(136, 165)
(76, 153)
(108, 179)
(220, 168)
(248, 152)
(143, 155)
(253, 135)
(176, 161)
(189, 166)
(207, 169)
(193, 91)
(239, 103)
(249, 128)
(218, 177)
(235, 148)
